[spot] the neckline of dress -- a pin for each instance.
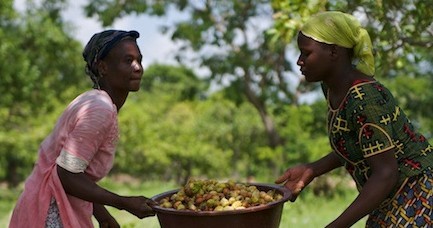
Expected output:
(106, 95)
(355, 84)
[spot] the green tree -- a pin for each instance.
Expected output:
(402, 36)
(174, 127)
(41, 62)
(401, 31)
(178, 81)
(240, 50)
(253, 60)
(168, 134)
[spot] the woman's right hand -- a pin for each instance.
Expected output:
(139, 206)
(295, 179)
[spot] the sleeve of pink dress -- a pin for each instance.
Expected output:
(86, 131)
(91, 130)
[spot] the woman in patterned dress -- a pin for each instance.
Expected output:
(62, 189)
(390, 162)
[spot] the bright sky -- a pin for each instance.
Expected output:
(154, 46)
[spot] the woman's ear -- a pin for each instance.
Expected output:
(334, 50)
(339, 52)
(102, 67)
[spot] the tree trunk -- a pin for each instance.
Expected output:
(274, 138)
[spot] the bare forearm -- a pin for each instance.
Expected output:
(372, 195)
(383, 179)
(99, 211)
(325, 164)
(80, 186)
(104, 217)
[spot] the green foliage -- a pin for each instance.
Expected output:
(401, 36)
(303, 142)
(235, 129)
(38, 69)
(108, 10)
(174, 127)
(210, 138)
(7, 13)
(163, 133)
(41, 62)
(241, 53)
(290, 15)
(415, 97)
(179, 82)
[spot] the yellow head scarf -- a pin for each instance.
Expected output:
(344, 30)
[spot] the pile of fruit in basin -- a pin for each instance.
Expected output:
(212, 195)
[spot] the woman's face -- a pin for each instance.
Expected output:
(314, 60)
(122, 67)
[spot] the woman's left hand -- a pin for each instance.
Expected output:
(110, 223)
(139, 206)
(103, 217)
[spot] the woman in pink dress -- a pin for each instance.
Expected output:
(62, 189)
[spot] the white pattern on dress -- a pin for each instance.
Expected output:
(71, 163)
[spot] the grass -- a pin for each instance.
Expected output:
(313, 211)
(308, 210)
(8, 198)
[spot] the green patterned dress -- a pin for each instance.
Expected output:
(369, 122)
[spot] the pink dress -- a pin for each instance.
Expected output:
(83, 140)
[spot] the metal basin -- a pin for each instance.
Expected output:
(263, 216)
